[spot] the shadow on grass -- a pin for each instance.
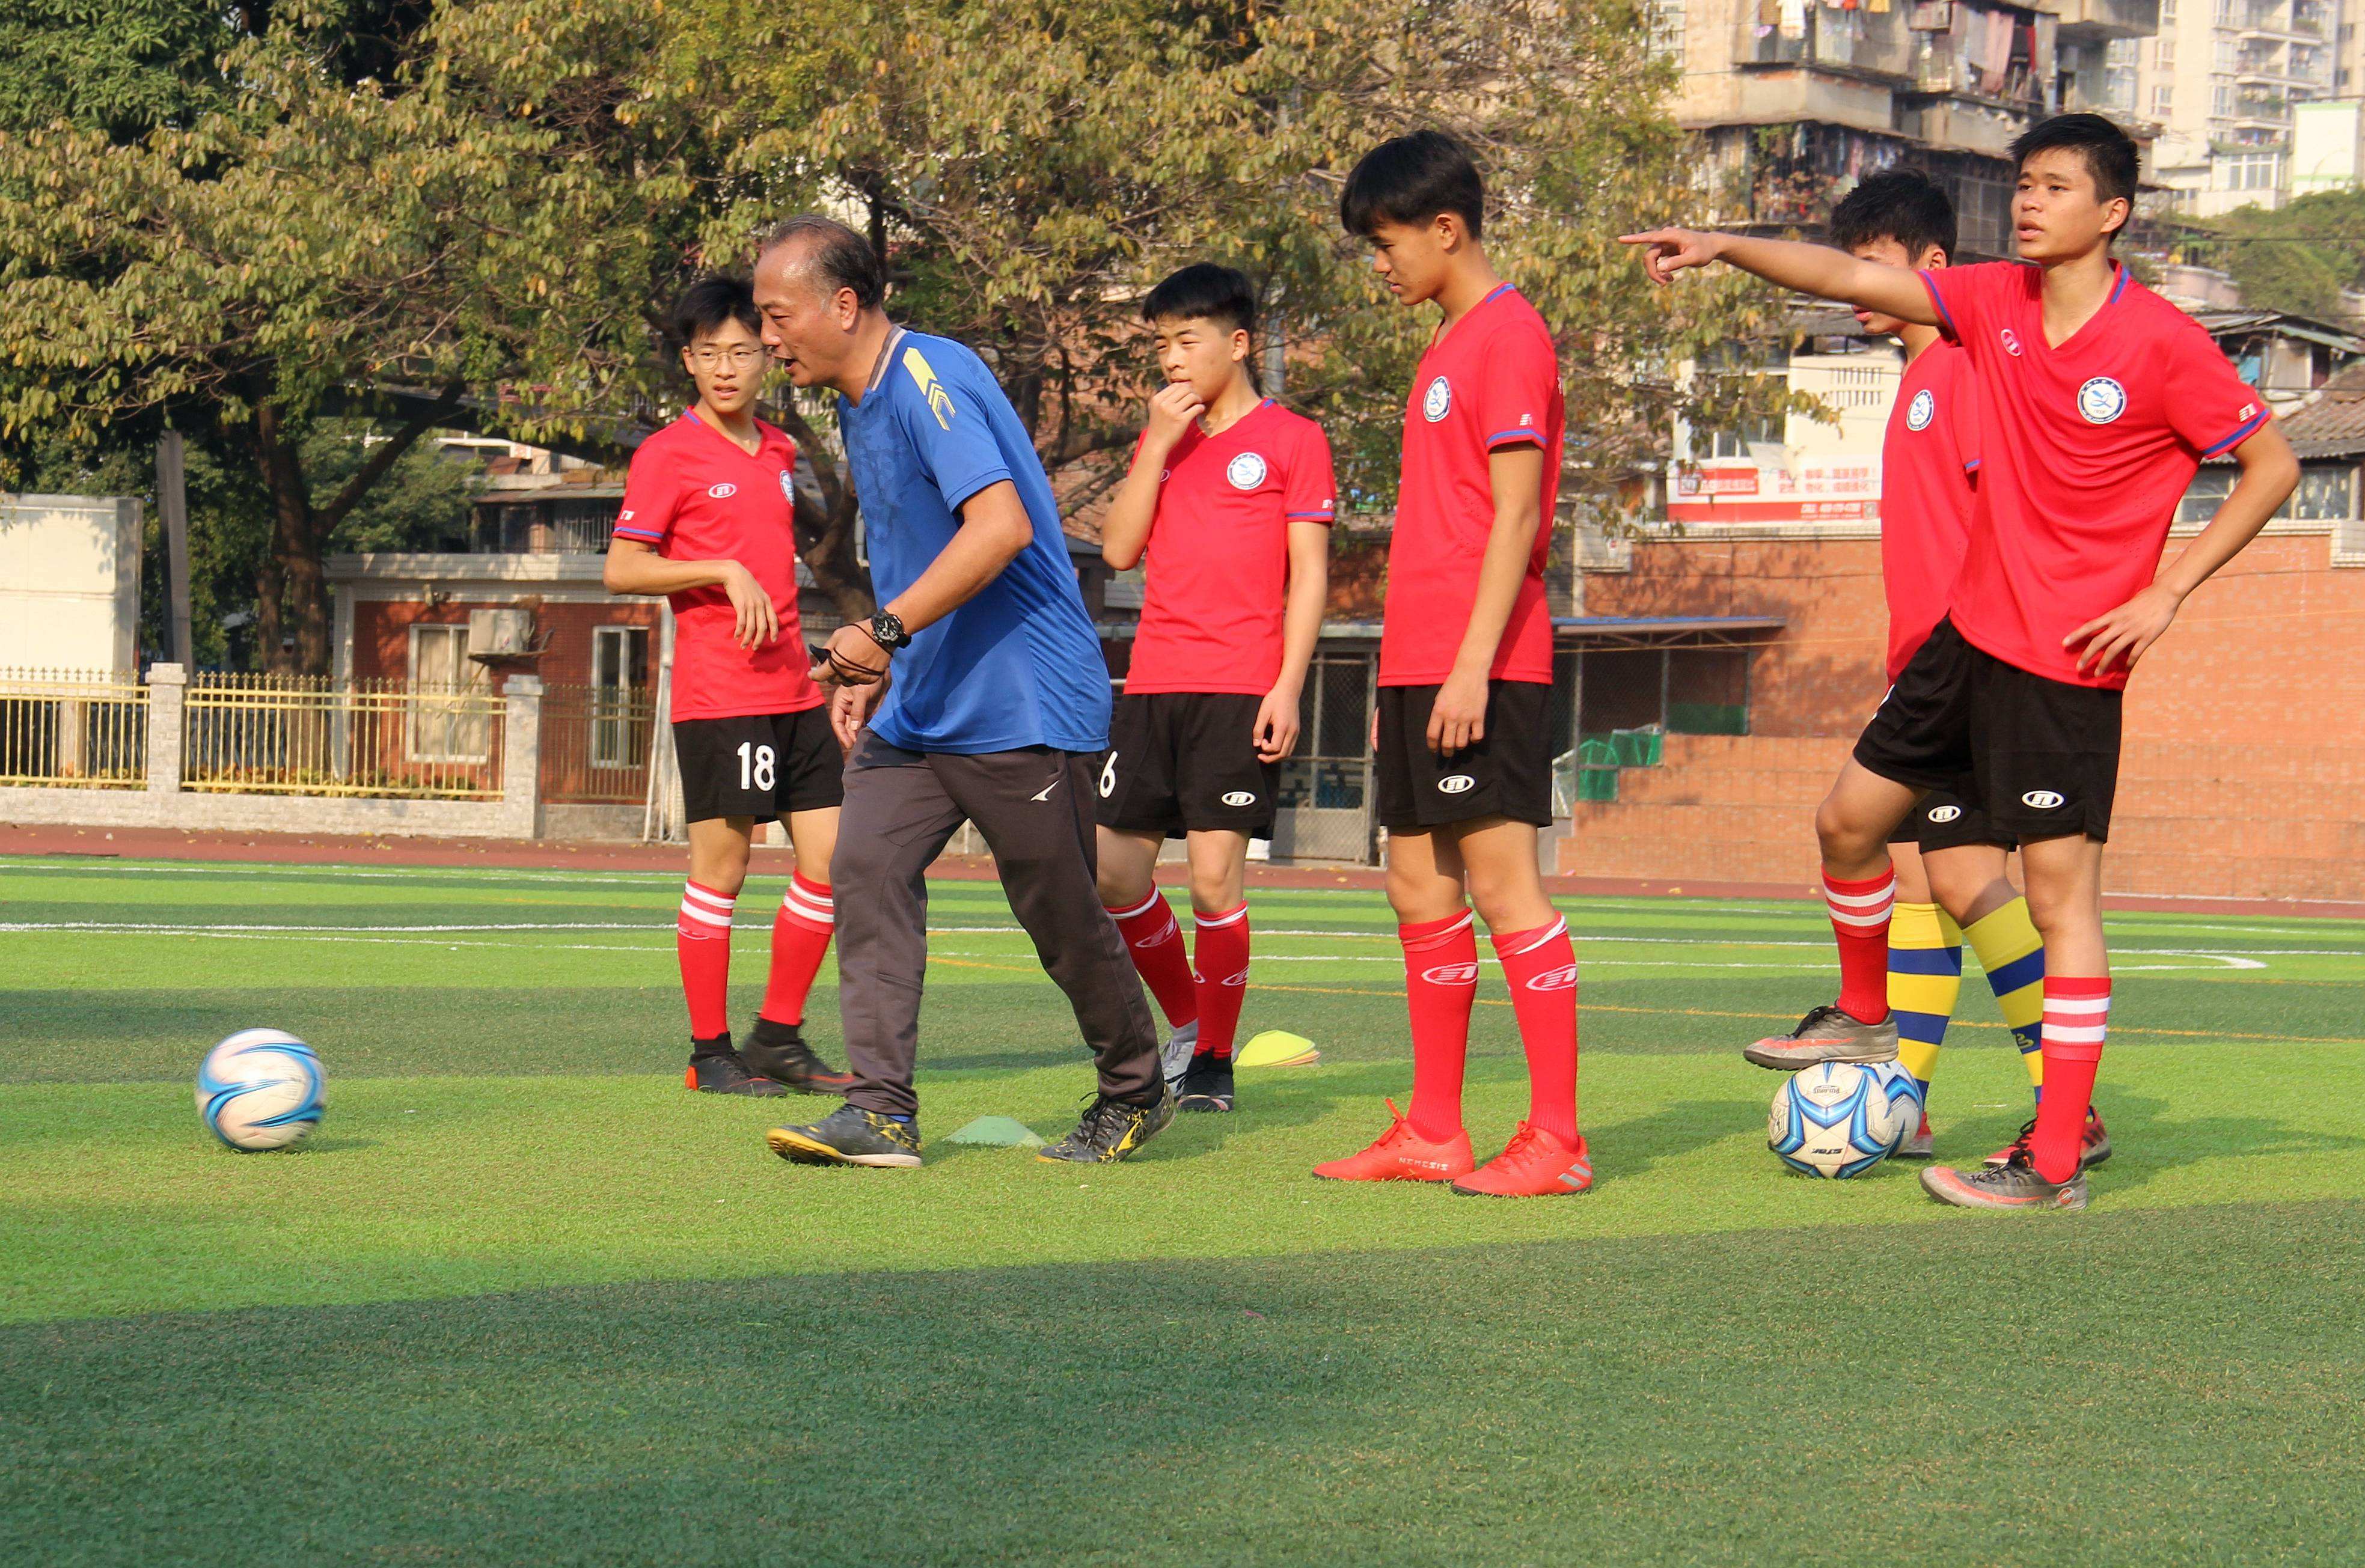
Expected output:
(1619, 1401)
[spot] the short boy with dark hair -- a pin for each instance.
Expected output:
(1230, 494)
(2102, 399)
(1950, 858)
(706, 520)
(1466, 680)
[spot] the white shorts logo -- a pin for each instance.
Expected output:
(1918, 412)
(1436, 400)
(1456, 784)
(2043, 800)
(2100, 400)
(787, 488)
(723, 492)
(1239, 798)
(1246, 472)
(1946, 814)
(1561, 979)
(1452, 974)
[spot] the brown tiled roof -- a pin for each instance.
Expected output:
(2333, 424)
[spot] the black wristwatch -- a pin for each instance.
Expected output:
(886, 631)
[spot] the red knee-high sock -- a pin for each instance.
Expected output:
(2077, 1018)
(1219, 959)
(1860, 921)
(1441, 985)
(703, 938)
(800, 934)
(1541, 965)
(1155, 940)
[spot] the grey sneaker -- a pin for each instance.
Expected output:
(2013, 1185)
(1111, 1129)
(1175, 1056)
(1826, 1033)
(849, 1136)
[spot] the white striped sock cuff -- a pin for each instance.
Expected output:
(1559, 929)
(1216, 922)
(1140, 909)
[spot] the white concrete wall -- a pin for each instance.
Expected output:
(70, 582)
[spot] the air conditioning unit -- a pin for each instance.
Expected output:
(500, 633)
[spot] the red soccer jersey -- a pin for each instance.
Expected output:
(695, 496)
(1489, 383)
(2086, 448)
(1218, 554)
(1927, 460)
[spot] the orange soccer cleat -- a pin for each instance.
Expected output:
(1535, 1164)
(1402, 1155)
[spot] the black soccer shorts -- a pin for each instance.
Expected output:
(2040, 757)
(1186, 762)
(762, 766)
(1943, 820)
(1506, 774)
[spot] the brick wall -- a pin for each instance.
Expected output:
(2244, 758)
(382, 631)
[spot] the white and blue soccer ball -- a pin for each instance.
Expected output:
(261, 1089)
(1837, 1119)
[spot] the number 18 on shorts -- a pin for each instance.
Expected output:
(761, 765)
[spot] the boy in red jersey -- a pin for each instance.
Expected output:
(2099, 401)
(1950, 874)
(1231, 495)
(1466, 679)
(707, 521)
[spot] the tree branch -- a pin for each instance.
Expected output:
(389, 451)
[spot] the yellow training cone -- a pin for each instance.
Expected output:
(1278, 1047)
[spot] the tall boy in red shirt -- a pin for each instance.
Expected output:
(706, 520)
(1464, 758)
(2098, 400)
(1231, 495)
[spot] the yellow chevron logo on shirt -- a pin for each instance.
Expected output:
(940, 402)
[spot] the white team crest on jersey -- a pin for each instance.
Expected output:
(1246, 472)
(723, 492)
(1922, 411)
(1437, 401)
(787, 488)
(2100, 400)
(1946, 814)
(2011, 342)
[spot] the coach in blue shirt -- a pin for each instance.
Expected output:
(977, 693)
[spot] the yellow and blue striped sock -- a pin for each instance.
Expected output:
(1926, 975)
(2013, 956)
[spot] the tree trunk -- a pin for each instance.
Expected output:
(825, 531)
(292, 594)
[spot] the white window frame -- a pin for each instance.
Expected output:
(441, 731)
(611, 698)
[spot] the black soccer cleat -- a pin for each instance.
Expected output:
(778, 1052)
(1206, 1085)
(850, 1135)
(715, 1068)
(1109, 1130)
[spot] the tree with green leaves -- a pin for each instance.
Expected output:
(2298, 257)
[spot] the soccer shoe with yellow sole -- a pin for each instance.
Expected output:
(1826, 1033)
(850, 1135)
(2094, 1144)
(713, 1072)
(778, 1052)
(1919, 1144)
(1535, 1164)
(2012, 1185)
(1400, 1154)
(1109, 1130)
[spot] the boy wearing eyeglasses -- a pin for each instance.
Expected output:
(707, 521)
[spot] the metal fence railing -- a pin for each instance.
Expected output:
(81, 728)
(301, 734)
(595, 745)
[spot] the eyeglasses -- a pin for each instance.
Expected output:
(738, 359)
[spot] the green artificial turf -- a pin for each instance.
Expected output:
(524, 1300)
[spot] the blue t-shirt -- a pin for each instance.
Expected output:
(1020, 664)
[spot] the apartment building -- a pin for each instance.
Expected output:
(2223, 79)
(1798, 99)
